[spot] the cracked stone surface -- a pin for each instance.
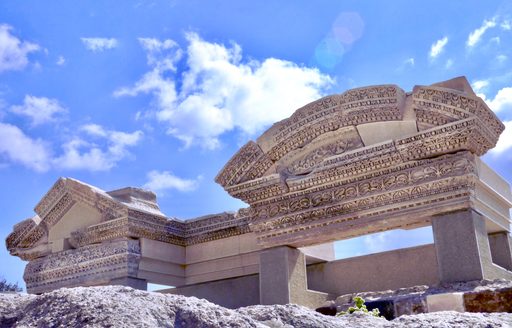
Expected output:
(117, 306)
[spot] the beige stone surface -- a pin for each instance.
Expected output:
(222, 274)
(386, 270)
(68, 223)
(446, 302)
(494, 180)
(225, 263)
(283, 279)
(501, 249)
(154, 249)
(231, 293)
(377, 132)
(216, 249)
(367, 160)
(463, 249)
(319, 253)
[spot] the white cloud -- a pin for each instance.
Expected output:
(480, 85)
(161, 54)
(159, 181)
(437, 47)
(90, 147)
(39, 110)
(61, 61)
(406, 64)
(99, 44)
(94, 130)
(376, 243)
(80, 154)
(220, 92)
(505, 141)
(501, 102)
(448, 64)
(20, 148)
(506, 25)
(501, 58)
(475, 36)
(13, 51)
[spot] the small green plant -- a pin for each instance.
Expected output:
(359, 307)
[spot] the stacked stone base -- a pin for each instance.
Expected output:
(475, 296)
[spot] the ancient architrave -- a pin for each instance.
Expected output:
(367, 160)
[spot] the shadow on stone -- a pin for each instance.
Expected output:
(327, 310)
(386, 308)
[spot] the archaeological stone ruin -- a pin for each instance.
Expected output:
(367, 160)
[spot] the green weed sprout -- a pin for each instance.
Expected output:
(359, 306)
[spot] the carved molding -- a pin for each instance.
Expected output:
(78, 266)
(308, 179)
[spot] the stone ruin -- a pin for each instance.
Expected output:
(368, 160)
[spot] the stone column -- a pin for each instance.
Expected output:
(130, 282)
(462, 246)
(282, 275)
(501, 249)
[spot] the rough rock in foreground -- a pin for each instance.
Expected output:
(116, 306)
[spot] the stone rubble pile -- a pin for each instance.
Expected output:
(116, 306)
(476, 296)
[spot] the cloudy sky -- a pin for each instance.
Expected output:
(160, 94)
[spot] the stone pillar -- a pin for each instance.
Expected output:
(130, 282)
(462, 246)
(501, 249)
(282, 275)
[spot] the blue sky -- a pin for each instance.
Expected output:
(160, 94)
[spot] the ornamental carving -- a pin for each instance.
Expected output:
(381, 165)
(367, 160)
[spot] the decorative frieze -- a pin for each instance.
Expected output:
(435, 106)
(331, 179)
(341, 190)
(20, 230)
(235, 170)
(308, 124)
(51, 197)
(308, 179)
(169, 231)
(74, 267)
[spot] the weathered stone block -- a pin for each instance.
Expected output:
(446, 302)
(410, 305)
(489, 301)
(461, 245)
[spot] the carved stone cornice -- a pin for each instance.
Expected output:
(353, 107)
(436, 106)
(73, 267)
(450, 178)
(149, 226)
(66, 192)
(28, 240)
(313, 183)
(330, 171)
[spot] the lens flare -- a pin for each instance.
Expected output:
(329, 52)
(346, 29)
